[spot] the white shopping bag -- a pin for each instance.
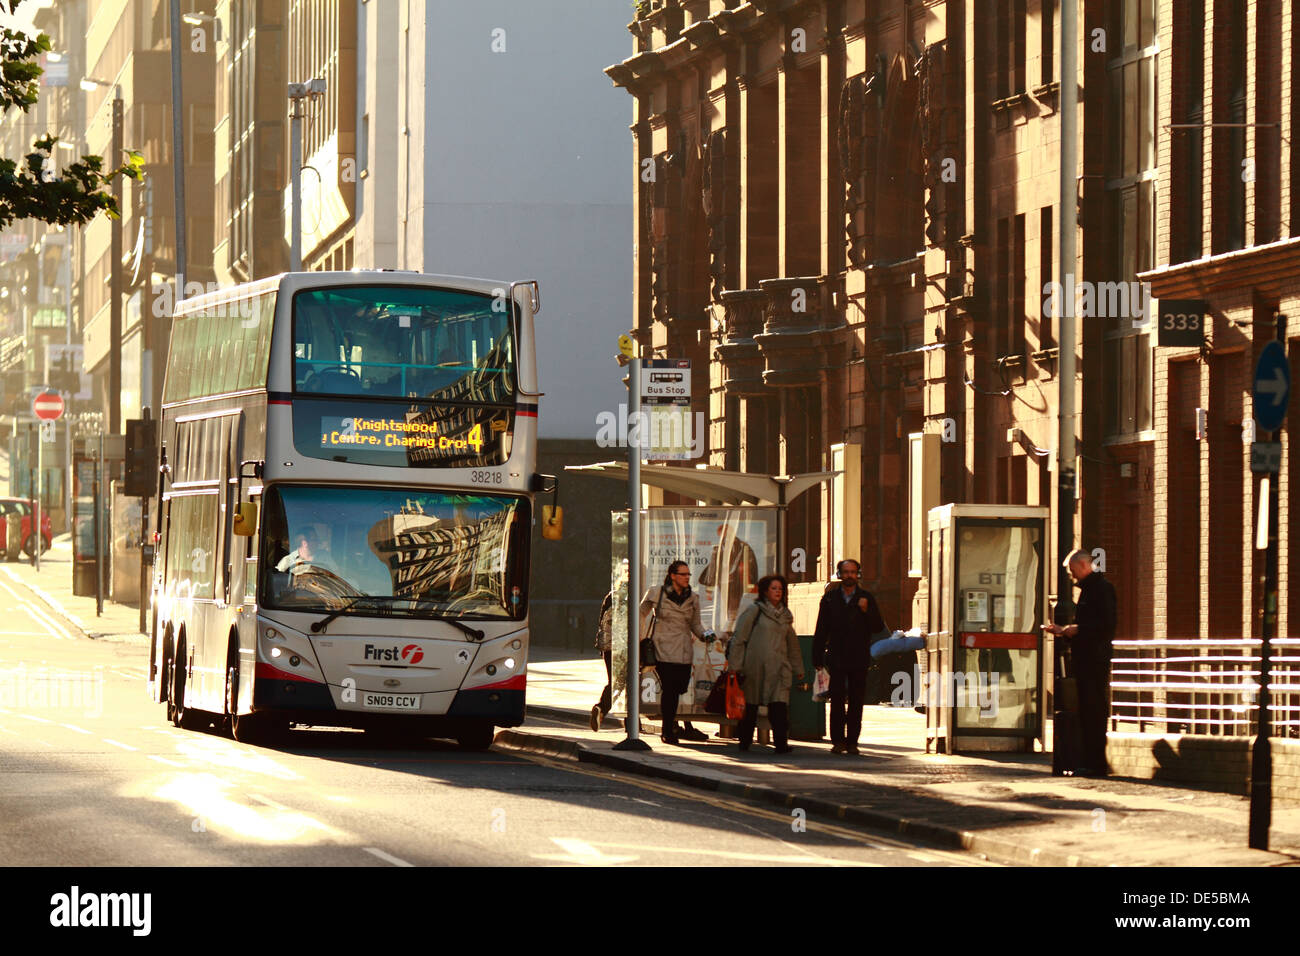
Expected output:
(821, 686)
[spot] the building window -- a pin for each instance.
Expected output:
(1229, 231)
(1047, 23)
(1131, 183)
(1187, 144)
(1009, 315)
(1046, 244)
(1010, 40)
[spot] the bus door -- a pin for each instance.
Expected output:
(229, 502)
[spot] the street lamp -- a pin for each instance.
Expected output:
(90, 84)
(297, 93)
(198, 19)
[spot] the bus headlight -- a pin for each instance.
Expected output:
(491, 669)
(510, 663)
(276, 652)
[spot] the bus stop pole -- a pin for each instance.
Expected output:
(99, 543)
(36, 526)
(144, 545)
(633, 740)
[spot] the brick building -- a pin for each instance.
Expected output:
(847, 211)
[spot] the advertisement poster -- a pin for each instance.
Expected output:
(728, 550)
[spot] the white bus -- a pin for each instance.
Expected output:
(347, 468)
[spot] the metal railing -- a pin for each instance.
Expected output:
(1205, 687)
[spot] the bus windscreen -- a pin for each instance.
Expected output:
(394, 552)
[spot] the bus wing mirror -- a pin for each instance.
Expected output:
(552, 522)
(245, 519)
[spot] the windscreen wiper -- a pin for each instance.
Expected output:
(474, 633)
(318, 627)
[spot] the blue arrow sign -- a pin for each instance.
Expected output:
(1272, 387)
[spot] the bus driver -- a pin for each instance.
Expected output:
(311, 552)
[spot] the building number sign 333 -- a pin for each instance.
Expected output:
(1182, 322)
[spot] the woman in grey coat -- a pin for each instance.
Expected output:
(676, 612)
(765, 653)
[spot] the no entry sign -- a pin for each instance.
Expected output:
(47, 406)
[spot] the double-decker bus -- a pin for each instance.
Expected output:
(347, 468)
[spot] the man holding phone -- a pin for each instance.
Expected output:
(1090, 638)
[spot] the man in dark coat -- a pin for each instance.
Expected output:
(846, 621)
(1090, 639)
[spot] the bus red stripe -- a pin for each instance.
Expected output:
(514, 683)
(274, 673)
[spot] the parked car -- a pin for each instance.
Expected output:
(24, 507)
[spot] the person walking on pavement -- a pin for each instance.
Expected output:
(765, 654)
(1090, 638)
(605, 644)
(676, 617)
(847, 620)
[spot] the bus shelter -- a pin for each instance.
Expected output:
(988, 578)
(736, 536)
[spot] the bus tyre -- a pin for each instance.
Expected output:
(258, 729)
(479, 737)
(166, 678)
(184, 717)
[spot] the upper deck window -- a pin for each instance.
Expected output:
(403, 342)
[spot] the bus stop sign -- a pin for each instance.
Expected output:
(1272, 387)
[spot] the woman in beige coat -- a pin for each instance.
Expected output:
(675, 609)
(765, 653)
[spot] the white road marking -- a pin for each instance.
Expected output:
(386, 857)
(579, 853)
(873, 842)
(170, 763)
(118, 744)
(77, 729)
(267, 801)
(55, 629)
(733, 855)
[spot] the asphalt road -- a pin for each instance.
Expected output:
(91, 774)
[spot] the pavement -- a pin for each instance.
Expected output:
(1006, 808)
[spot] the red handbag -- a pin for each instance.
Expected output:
(735, 697)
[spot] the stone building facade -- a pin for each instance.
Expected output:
(847, 212)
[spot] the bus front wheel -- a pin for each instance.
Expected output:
(184, 717)
(479, 737)
(258, 729)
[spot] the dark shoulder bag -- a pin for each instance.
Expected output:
(648, 656)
